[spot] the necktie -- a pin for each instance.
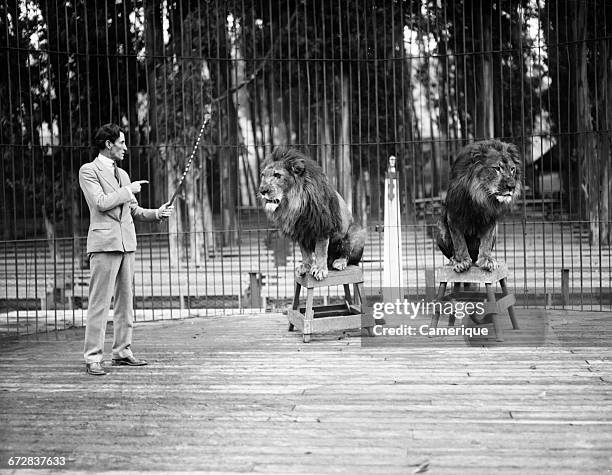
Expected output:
(116, 169)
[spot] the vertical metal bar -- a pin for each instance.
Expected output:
(188, 111)
(10, 147)
(607, 107)
(12, 105)
(81, 120)
(6, 283)
(565, 299)
(560, 132)
(72, 186)
(237, 153)
(551, 138)
(583, 224)
(590, 165)
(149, 243)
(524, 218)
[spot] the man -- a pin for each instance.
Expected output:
(111, 245)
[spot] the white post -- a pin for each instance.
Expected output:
(393, 276)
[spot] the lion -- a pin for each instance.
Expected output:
(485, 181)
(299, 200)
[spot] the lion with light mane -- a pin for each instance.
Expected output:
(485, 181)
(299, 200)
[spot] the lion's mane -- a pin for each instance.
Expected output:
(310, 209)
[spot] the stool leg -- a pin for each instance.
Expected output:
(504, 287)
(296, 302)
(499, 332)
(347, 294)
(451, 317)
(367, 319)
(436, 316)
(308, 315)
(360, 299)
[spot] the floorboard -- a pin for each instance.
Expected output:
(239, 394)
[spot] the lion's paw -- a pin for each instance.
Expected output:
(487, 263)
(462, 265)
(340, 264)
(302, 269)
(318, 272)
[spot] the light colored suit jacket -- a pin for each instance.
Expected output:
(112, 209)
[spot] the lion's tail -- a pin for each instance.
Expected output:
(349, 246)
(356, 236)
(444, 240)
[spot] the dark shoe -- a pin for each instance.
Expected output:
(128, 361)
(95, 369)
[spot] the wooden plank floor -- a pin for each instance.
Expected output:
(241, 394)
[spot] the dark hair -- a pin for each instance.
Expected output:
(106, 132)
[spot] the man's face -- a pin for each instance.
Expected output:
(117, 149)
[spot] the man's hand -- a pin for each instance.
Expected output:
(135, 185)
(165, 211)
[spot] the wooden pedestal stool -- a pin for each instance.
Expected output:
(475, 275)
(352, 314)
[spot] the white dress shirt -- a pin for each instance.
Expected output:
(109, 164)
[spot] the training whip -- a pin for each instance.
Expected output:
(193, 152)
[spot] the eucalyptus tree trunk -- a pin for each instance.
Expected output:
(325, 145)
(228, 150)
(153, 35)
(345, 169)
(7, 156)
(227, 157)
(586, 150)
(194, 218)
(361, 187)
(605, 144)
(408, 132)
(484, 114)
(175, 222)
(204, 209)
(50, 233)
(80, 257)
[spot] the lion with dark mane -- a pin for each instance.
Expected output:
(299, 200)
(485, 181)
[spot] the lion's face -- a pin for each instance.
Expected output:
(276, 180)
(499, 174)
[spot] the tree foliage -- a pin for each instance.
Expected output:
(349, 82)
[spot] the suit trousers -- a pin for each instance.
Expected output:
(112, 274)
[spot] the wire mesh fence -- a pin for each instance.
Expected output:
(350, 83)
(552, 265)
